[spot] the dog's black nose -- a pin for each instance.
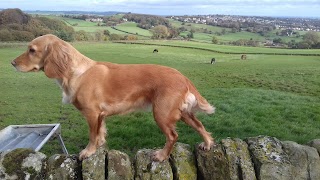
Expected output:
(13, 63)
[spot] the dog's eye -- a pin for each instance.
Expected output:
(32, 50)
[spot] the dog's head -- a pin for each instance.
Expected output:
(47, 53)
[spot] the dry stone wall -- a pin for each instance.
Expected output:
(261, 158)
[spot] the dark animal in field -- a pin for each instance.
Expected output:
(102, 89)
(155, 51)
(213, 60)
(243, 57)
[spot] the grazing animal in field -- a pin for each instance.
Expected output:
(102, 89)
(243, 57)
(213, 60)
(155, 51)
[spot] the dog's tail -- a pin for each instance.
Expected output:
(194, 101)
(205, 106)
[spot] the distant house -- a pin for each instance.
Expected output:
(94, 19)
(268, 43)
(297, 24)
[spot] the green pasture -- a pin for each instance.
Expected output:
(272, 95)
(272, 35)
(92, 27)
(199, 35)
(88, 26)
(196, 27)
(231, 49)
(79, 22)
(229, 37)
(242, 35)
(71, 21)
(131, 27)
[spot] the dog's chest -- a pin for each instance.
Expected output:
(66, 97)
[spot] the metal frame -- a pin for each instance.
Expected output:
(32, 136)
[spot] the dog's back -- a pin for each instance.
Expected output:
(138, 86)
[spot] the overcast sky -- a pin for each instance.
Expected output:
(303, 8)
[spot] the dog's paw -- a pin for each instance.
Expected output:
(158, 156)
(85, 154)
(206, 146)
(101, 141)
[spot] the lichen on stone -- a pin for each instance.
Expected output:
(13, 162)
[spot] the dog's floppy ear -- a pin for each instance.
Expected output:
(57, 61)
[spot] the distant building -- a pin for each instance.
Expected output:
(95, 20)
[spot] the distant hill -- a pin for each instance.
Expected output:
(107, 13)
(16, 25)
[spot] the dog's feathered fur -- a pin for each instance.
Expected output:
(101, 89)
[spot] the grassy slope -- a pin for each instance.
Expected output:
(196, 27)
(92, 27)
(87, 26)
(206, 37)
(267, 94)
(132, 28)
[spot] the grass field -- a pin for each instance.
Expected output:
(197, 27)
(92, 27)
(132, 28)
(272, 95)
(228, 37)
(201, 31)
(232, 49)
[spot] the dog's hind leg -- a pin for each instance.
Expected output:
(190, 119)
(167, 124)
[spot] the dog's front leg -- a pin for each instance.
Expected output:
(95, 122)
(102, 131)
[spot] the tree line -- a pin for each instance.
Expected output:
(102, 35)
(147, 21)
(311, 40)
(18, 26)
(160, 27)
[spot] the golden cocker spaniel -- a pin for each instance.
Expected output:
(101, 89)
